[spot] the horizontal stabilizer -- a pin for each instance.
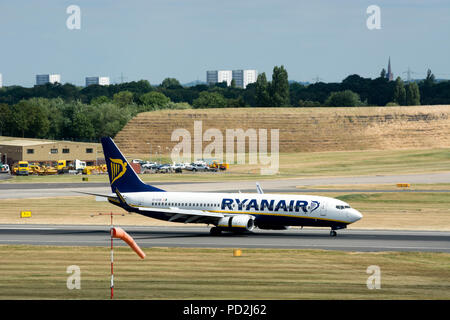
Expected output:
(111, 195)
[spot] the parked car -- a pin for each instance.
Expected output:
(164, 168)
(199, 167)
(200, 162)
(150, 165)
(4, 168)
(178, 166)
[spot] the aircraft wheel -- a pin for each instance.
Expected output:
(333, 233)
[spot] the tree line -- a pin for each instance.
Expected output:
(68, 112)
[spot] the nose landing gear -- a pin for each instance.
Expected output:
(333, 232)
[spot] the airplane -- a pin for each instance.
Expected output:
(227, 212)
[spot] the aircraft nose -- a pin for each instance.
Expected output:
(355, 215)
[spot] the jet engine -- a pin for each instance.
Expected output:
(237, 223)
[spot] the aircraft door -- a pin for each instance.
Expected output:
(323, 209)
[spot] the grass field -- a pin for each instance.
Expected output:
(380, 187)
(408, 211)
(292, 165)
(414, 211)
(38, 272)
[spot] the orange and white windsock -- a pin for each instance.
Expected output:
(121, 234)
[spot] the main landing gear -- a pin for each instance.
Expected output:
(333, 233)
(215, 231)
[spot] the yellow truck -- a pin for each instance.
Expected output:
(61, 165)
(64, 166)
(23, 169)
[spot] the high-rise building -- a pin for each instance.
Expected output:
(225, 76)
(389, 74)
(1, 81)
(241, 77)
(212, 77)
(219, 76)
(102, 81)
(244, 77)
(47, 78)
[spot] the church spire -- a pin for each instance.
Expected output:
(389, 75)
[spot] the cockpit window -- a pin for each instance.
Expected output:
(342, 207)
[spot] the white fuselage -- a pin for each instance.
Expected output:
(268, 209)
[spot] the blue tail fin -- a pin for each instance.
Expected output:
(121, 175)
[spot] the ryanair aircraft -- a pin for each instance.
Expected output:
(232, 212)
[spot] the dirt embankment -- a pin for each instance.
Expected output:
(300, 129)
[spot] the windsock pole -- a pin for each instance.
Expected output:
(112, 260)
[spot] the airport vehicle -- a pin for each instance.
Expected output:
(34, 168)
(23, 168)
(4, 168)
(61, 165)
(233, 212)
(79, 165)
(220, 166)
(46, 170)
(64, 166)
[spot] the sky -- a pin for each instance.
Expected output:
(156, 39)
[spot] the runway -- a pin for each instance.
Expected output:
(40, 190)
(198, 237)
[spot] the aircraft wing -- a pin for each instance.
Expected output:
(186, 216)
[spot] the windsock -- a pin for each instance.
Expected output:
(121, 234)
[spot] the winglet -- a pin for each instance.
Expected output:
(259, 189)
(121, 198)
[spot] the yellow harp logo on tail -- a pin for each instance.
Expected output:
(117, 169)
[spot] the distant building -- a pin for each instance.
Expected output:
(1, 81)
(47, 78)
(48, 151)
(241, 77)
(219, 76)
(244, 77)
(389, 74)
(211, 77)
(102, 81)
